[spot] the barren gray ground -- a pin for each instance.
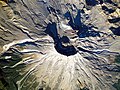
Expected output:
(60, 45)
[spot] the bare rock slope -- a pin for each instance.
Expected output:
(60, 44)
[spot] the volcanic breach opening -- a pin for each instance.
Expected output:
(61, 43)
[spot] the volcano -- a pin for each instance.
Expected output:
(59, 45)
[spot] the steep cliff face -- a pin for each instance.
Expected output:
(60, 44)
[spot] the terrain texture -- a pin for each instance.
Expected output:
(59, 45)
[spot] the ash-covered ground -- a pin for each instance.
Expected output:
(59, 45)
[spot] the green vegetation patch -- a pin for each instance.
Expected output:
(2, 85)
(117, 59)
(117, 85)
